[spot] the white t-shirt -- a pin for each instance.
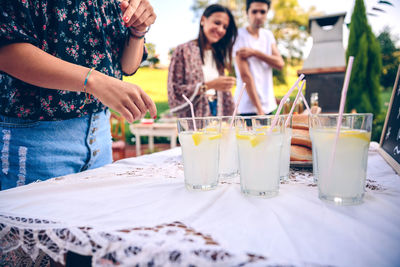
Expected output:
(210, 70)
(261, 71)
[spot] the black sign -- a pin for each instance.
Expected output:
(390, 140)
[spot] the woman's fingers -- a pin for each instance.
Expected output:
(130, 9)
(134, 110)
(150, 105)
(136, 16)
(137, 13)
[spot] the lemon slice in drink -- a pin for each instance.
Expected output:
(197, 138)
(365, 136)
(257, 139)
(215, 137)
(243, 137)
(263, 128)
(254, 139)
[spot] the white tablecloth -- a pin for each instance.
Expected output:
(167, 225)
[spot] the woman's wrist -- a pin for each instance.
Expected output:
(94, 80)
(137, 32)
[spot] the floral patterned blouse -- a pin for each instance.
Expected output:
(90, 33)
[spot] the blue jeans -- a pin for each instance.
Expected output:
(39, 150)
(213, 107)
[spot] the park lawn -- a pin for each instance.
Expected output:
(154, 83)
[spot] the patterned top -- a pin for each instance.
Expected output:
(89, 33)
(184, 77)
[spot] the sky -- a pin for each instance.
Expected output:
(176, 22)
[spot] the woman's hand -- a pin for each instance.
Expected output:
(222, 83)
(138, 14)
(127, 99)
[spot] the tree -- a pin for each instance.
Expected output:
(152, 58)
(390, 61)
(364, 88)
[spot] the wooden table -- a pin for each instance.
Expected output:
(154, 129)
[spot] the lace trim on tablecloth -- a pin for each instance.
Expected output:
(166, 244)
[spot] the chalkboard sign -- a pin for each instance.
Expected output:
(389, 146)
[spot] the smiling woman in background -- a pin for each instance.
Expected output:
(197, 67)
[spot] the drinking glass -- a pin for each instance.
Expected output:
(228, 155)
(259, 156)
(200, 151)
(341, 179)
(285, 155)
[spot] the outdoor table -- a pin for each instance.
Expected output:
(137, 211)
(151, 130)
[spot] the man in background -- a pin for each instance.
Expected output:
(256, 54)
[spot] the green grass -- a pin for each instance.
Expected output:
(152, 81)
(385, 100)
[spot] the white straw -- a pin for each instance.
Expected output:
(305, 102)
(283, 101)
(294, 103)
(341, 110)
(191, 108)
(237, 104)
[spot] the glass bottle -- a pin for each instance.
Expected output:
(314, 100)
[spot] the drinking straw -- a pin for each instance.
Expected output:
(294, 103)
(237, 105)
(192, 110)
(283, 101)
(341, 110)
(305, 102)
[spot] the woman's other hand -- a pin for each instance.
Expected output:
(138, 14)
(222, 83)
(127, 99)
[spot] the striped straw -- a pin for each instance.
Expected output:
(341, 110)
(294, 103)
(192, 110)
(237, 104)
(283, 101)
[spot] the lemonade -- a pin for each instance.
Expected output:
(314, 160)
(259, 159)
(200, 152)
(228, 155)
(285, 156)
(344, 183)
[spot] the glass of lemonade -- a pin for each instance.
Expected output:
(314, 160)
(228, 155)
(259, 156)
(342, 180)
(285, 155)
(200, 151)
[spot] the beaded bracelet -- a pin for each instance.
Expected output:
(87, 96)
(138, 34)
